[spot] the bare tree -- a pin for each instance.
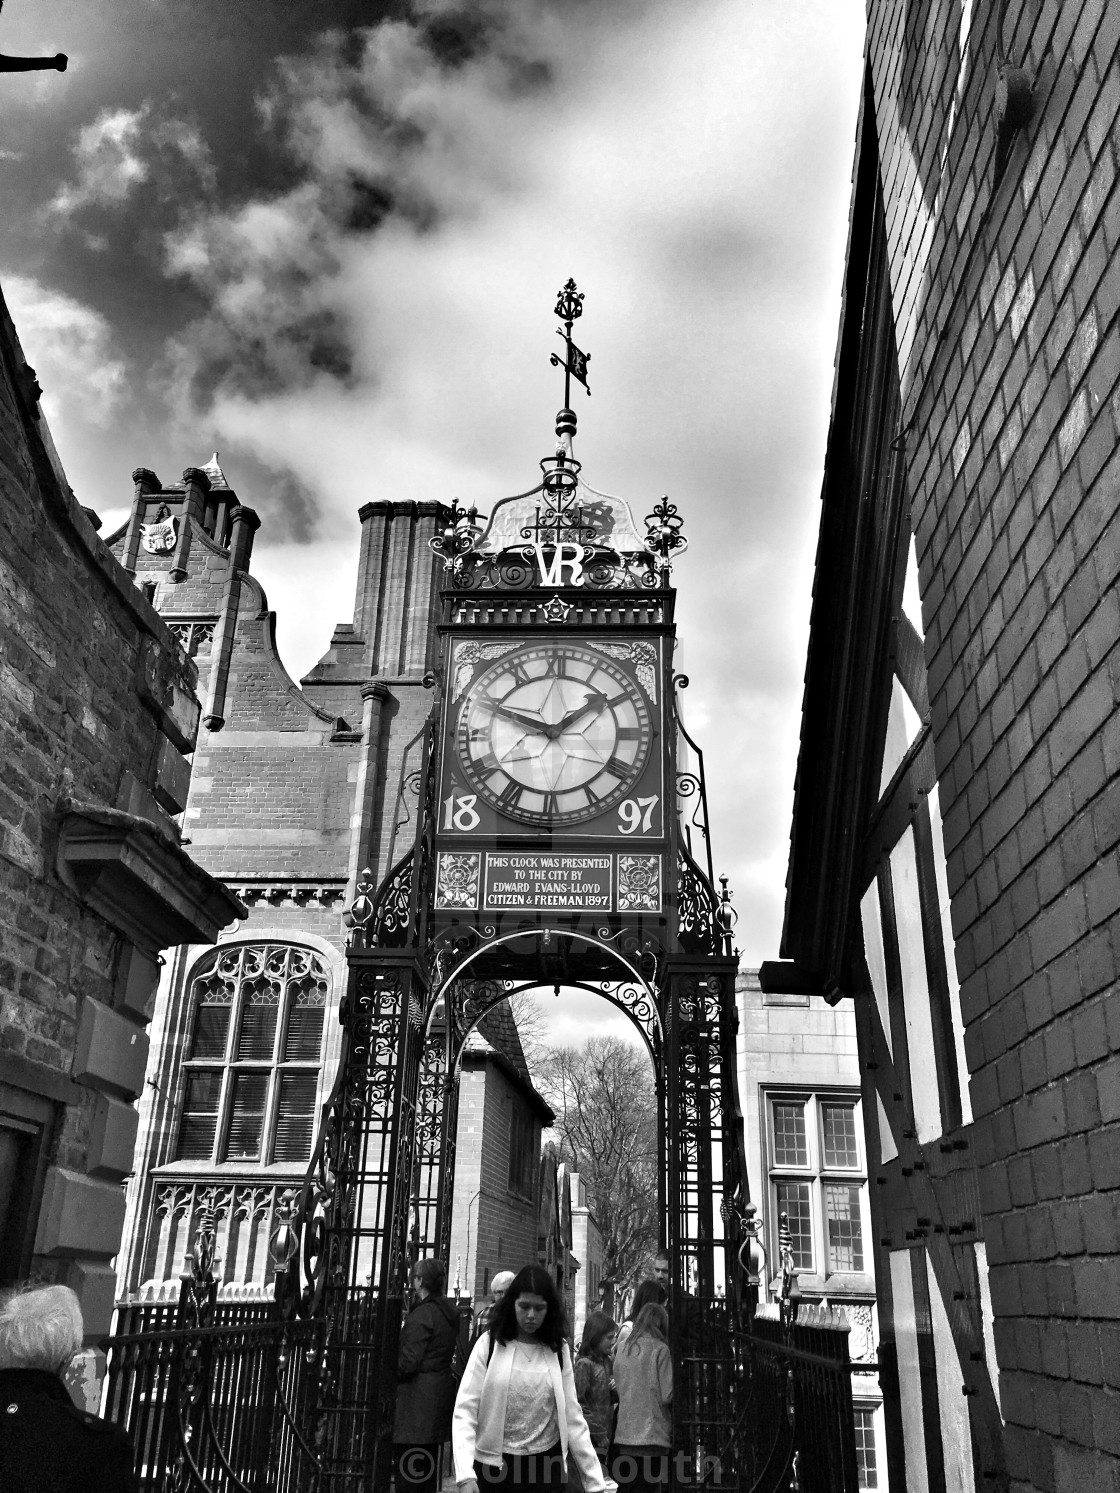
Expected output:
(606, 1124)
(532, 1028)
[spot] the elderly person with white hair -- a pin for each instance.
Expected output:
(498, 1288)
(48, 1445)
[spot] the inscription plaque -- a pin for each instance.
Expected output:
(570, 883)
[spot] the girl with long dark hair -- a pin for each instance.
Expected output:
(643, 1376)
(517, 1421)
(593, 1380)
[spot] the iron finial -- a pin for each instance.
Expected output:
(569, 303)
(569, 308)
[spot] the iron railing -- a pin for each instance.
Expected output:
(766, 1407)
(229, 1405)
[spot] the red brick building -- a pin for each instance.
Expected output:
(498, 1169)
(296, 789)
(953, 862)
(97, 716)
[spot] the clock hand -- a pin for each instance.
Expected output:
(594, 702)
(530, 723)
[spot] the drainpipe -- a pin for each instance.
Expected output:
(470, 1205)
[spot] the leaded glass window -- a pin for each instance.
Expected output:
(838, 1123)
(790, 1146)
(252, 1066)
(795, 1204)
(845, 1234)
(817, 1178)
(866, 1459)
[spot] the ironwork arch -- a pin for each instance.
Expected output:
(648, 998)
(605, 990)
(451, 1014)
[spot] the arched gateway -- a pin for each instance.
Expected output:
(552, 847)
(559, 838)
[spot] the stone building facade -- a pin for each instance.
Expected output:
(589, 1290)
(803, 1122)
(954, 864)
(97, 717)
(555, 1238)
(296, 789)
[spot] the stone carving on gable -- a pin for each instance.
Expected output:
(159, 538)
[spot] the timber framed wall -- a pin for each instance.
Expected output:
(988, 1003)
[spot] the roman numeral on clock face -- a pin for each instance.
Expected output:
(510, 795)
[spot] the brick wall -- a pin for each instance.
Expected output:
(491, 1229)
(1006, 296)
(96, 709)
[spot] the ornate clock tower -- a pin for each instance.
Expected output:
(556, 776)
(551, 849)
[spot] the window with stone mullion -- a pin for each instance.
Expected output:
(817, 1181)
(252, 1068)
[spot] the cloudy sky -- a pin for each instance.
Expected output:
(326, 237)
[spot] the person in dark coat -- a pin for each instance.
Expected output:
(48, 1445)
(425, 1389)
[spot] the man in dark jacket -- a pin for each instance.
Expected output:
(425, 1389)
(48, 1445)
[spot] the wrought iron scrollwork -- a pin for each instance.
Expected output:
(196, 1310)
(391, 919)
(452, 948)
(639, 1004)
(457, 539)
(468, 1001)
(696, 908)
(664, 537)
(390, 922)
(643, 949)
(517, 570)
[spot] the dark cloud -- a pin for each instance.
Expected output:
(458, 37)
(370, 204)
(366, 120)
(357, 300)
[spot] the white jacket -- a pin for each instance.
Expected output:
(479, 1423)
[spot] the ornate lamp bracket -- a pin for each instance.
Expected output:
(664, 537)
(458, 538)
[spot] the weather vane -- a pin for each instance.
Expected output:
(569, 308)
(31, 64)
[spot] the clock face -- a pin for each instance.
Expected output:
(553, 732)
